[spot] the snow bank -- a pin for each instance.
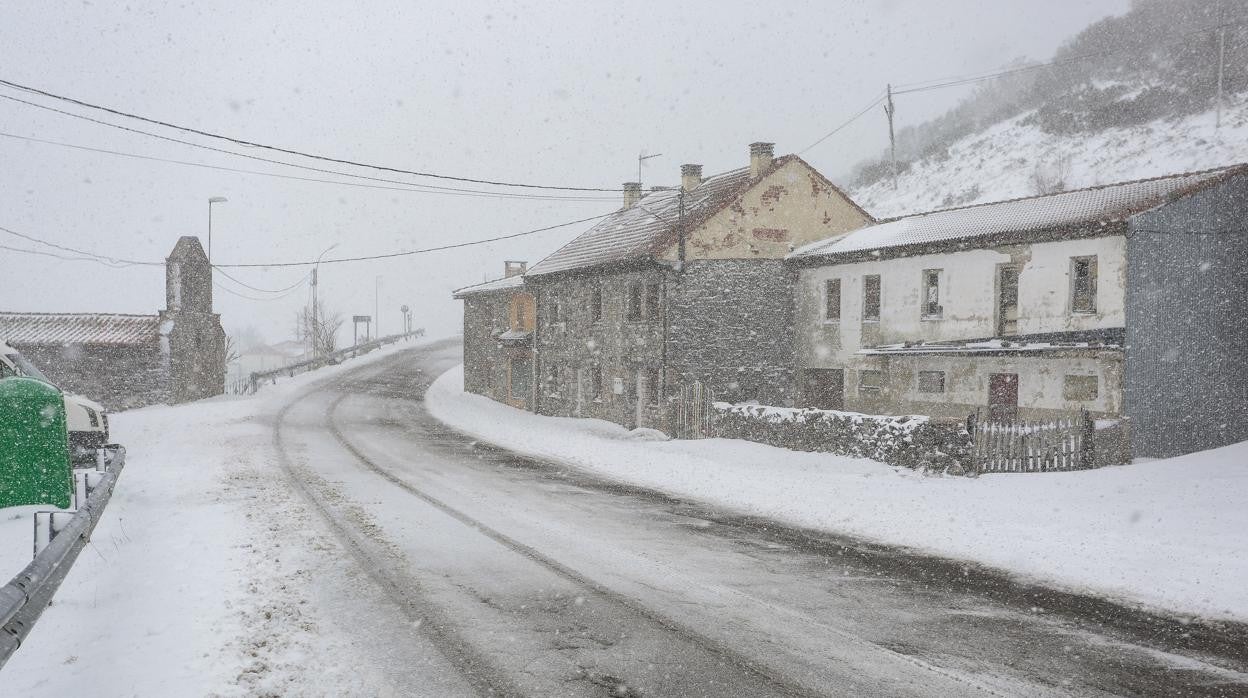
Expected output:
(1167, 534)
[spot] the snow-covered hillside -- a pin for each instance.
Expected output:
(1001, 162)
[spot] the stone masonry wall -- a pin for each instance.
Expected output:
(622, 348)
(118, 378)
(732, 328)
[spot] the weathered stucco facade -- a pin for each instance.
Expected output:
(968, 292)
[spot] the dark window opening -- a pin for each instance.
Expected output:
(595, 305)
(652, 301)
(931, 381)
(634, 302)
(871, 297)
(931, 294)
(832, 299)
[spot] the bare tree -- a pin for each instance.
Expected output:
(1051, 178)
(322, 327)
(231, 349)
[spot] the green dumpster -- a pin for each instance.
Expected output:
(34, 445)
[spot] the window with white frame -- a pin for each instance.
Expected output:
(871, 298)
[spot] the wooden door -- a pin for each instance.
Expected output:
(823, 388)
(1003, 397)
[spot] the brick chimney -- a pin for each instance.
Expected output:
(514, 268)
(761, 155)
(690, 177)
(632, 193)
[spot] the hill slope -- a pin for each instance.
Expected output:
(1016, 157)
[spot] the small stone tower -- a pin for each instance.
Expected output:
(190, 332)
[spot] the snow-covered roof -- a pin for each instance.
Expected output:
(1074, 209)
(489, 286)
(79, 328)
(649, 226)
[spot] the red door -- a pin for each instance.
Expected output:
(1003, 397)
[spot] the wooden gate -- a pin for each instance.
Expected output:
(1032, 447)
(693, 412)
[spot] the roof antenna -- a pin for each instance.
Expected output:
(641, 158)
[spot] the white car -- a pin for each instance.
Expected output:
(85, 419)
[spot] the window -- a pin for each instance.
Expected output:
(871, 297)
(634, 302)
(1083, 284)
(553, 384)
(595, 305)
(931, 381)
(652, 301)
(1080, 388)
(595, 382)
(870, 381)
(931, 294)
(832, 299)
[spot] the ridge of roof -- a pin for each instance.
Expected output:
(1226, 169)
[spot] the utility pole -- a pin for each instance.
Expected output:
(889, 110)
(315, 350)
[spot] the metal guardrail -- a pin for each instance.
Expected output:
(291, 370)
(25, 597)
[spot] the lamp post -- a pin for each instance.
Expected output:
(377, 304)
(211, 201)
(316, 348)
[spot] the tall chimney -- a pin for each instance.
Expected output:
(761, 155)
(690, 177)
(632, 193)
(513, 268)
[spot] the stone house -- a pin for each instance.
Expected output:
(1126, 300)
(125, 361)
(499, 319)
(680, 285)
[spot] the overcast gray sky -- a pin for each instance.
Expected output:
(559, 93)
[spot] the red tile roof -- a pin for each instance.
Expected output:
(79, 328)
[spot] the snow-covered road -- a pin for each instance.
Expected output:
(370, 550)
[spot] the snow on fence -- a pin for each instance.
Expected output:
(25, 597)
(1033, 446)
(251, 384)
(911, 441)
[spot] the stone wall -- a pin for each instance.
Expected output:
(910, 441)
(732, 328)
(118, 378)
(626, 350)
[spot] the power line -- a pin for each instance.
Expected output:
(289, 151)
(258, 158)
(416, 188)
(45, 253)
(414, 252)
(844, 124)
(389, 255)
(252, 298)
(262, 290)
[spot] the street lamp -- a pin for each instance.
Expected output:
(377, 304)
(211, 201)
(316, 349)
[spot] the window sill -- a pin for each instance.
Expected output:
(1085, 313)
(870, 321)
(932, 318)
(862, 389)
(831, 322)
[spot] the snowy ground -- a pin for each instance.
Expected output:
(1166, 534)
(998, 163)
(191, 584)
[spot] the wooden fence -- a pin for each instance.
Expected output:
(693, 412)
(1032, 446)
